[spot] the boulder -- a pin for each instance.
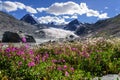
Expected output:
(29, 38)
(11, 37)
(16, 38)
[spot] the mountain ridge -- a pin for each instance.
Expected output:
(107, 27)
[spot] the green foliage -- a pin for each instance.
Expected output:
(68, 61)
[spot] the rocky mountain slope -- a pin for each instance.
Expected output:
(29, 19)
(33, 21)
(73, 25)
(103, 28)
(106, 28)
(9, 23)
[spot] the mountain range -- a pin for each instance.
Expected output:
(9, 23)
(106, 28)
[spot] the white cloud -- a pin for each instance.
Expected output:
(71, 8)
(48, 19)
(74, 16)
(92, 13)
(102, 16)
(61, 8)
(10, 6)
(70, 17)
(41, 9)
(20, 5)
(97, 14)
(30, 9)
(66, 17)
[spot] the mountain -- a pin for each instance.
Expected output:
(73, 25)
(29, 19)
(9, 23)
(106, 28)
(103, 28)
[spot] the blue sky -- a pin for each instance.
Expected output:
(63, 11)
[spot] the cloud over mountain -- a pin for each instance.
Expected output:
(13, 6)
(71, 8)
(48, 19)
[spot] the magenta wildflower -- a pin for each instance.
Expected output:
(45, 57)
(9, 55)
(54, 60)
(23, 39)
(27, 46)
(37, 58)
(20, 53)
(65, 66)
(19, 63)
(73, 49)
(63, 60)
(31, 51)
(72, 69)
(7, 49)
(31, 64)
(59, 68)
(66, 73)
(85, 54)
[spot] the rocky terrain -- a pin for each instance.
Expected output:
(9, 23)
(29, 25)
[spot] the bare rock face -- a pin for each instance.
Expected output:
(9, 23)
(30, 39)
(11, 37)
(73, 25)
(15, 38)
(29, 19)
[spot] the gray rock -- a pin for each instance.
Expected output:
(109, 77)
(16, 37)
(11, 37)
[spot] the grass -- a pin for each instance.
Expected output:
(69, 61)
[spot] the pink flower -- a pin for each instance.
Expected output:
(73, 49)
(31, 51)
(20, 53)
(37, 58)
(7, 49)
(66, 73)
(54, 60)
(63, 60)
(27, 46)
(65, 67)
(31, 64)
(59, 68)
(45, 57)
(72, 69)
(85, 54)
(19, 63)
(23, 39)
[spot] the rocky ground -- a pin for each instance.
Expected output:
(109, 77)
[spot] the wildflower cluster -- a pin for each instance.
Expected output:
(77, 60)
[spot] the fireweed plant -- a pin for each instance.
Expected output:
(78, 60)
